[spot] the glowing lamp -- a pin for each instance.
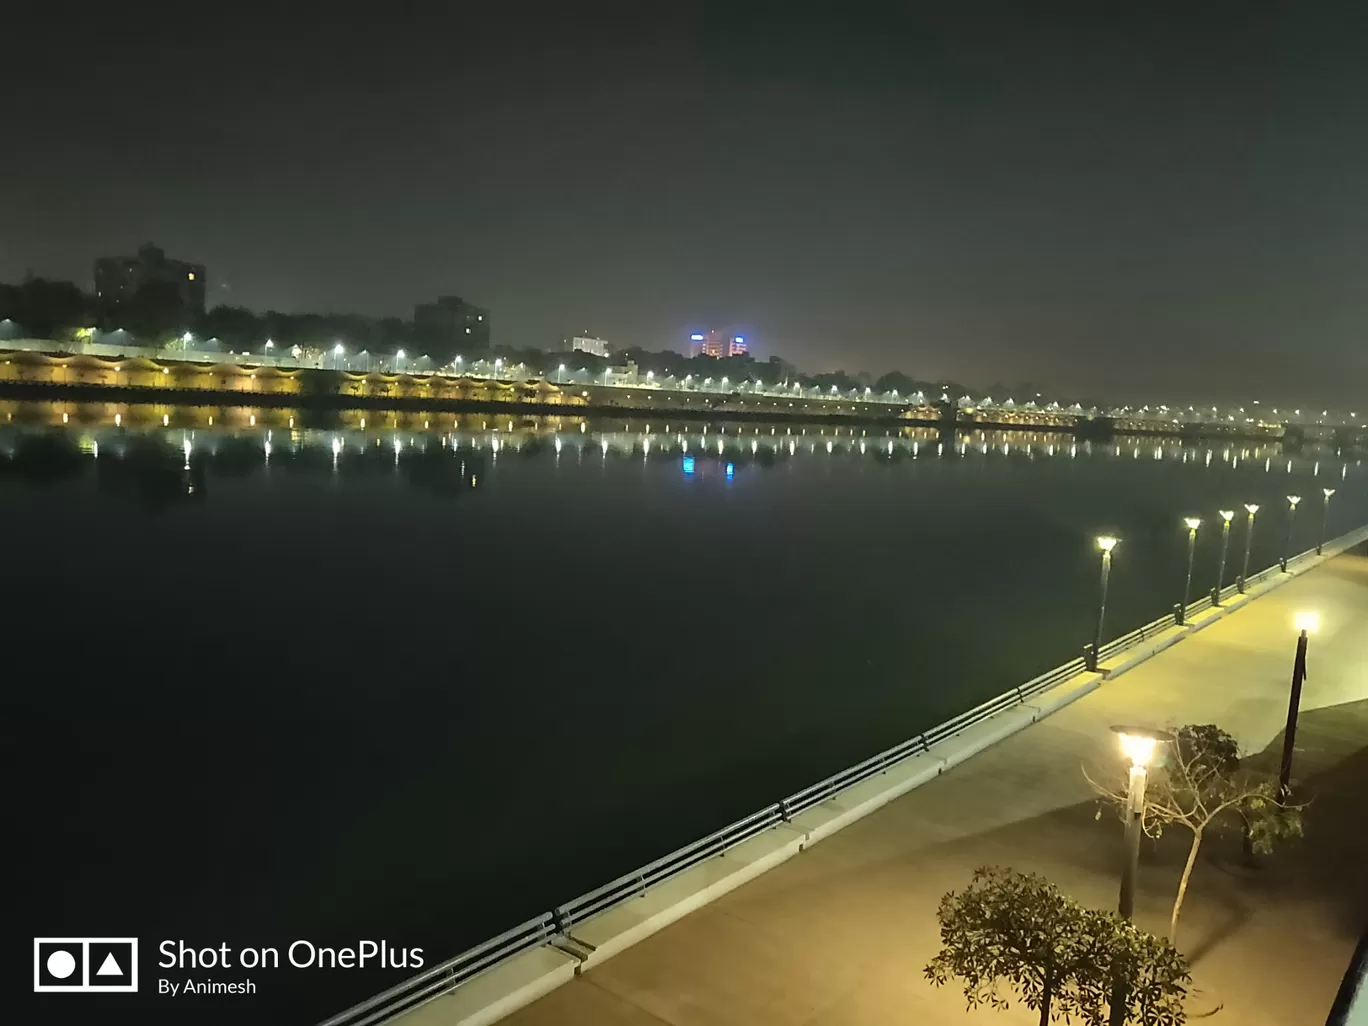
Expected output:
(1138, 743)
(1106, 542)
(1309, 622)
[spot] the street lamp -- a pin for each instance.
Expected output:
(1106, 543)
(1306, 623)
(1138, 745)
(1226, 516)
(1252, 507)
(1325, 519)
(560, 374)
(338, 350)
(1292, 501)
(1192, 524)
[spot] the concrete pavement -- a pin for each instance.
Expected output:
(838, 935)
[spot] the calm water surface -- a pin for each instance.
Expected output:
(419, 683)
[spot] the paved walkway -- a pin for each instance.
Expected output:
(838, 935)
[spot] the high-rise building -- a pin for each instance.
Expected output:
(593, 346)
(451, 326)
(170, 291)
(716, 345)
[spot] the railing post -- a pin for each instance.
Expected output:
(1216, 596)
(1179, 614)
(1090, 657)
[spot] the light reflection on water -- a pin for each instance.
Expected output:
(703, 616)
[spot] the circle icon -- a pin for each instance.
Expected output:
(61, 964)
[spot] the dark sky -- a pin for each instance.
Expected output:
(1147, 201)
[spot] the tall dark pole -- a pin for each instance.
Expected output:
(1192, 524)
(1135, 814)
(1106, 544)
(1293, 706)
(1249, 543)
(1325, 520)
(1292, 501)
(1225, 546)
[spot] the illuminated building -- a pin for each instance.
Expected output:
(716, 345)
(592, 346)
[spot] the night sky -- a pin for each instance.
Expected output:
(1137, 201)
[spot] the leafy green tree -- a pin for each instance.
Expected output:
(1061, 959)
(1202, 785)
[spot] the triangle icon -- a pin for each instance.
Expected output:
(109, 967)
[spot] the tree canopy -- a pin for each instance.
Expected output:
(1062, 960)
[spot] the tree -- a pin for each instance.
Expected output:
(895, 381)
(1203, 785)
(1063, 960)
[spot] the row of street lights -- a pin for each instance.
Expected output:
(1106, 543)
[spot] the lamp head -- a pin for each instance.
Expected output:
(1106, 542)
(1307, 621)
(1227, 514)
(1253, 507)
(1139, 743)
(1328, 492)
(1193, 522)
(1292, 500)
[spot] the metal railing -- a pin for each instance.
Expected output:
(450, 974)
(636, 883)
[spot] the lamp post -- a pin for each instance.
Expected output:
(1292, 501)
(1305, 624)
(1138, 744)
(1252, 507)
(560, 374)
(1226, 516)
(1325, 519)
(338, 350)
(1181, 613)
(1106, 543)
(399, 356)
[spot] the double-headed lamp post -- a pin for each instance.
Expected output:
(1306, 624)
(1292, 501)
(1106, 543)
(1192, 524)
(1138, 745)
(1252, 507)
(1226, 516)
(1325, 519)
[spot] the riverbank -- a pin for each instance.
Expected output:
(840, 932)
(34, 375)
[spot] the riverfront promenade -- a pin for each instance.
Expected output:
(838, 935)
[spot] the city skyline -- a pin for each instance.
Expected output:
(1133, 203)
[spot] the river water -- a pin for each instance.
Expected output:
(419, 678)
